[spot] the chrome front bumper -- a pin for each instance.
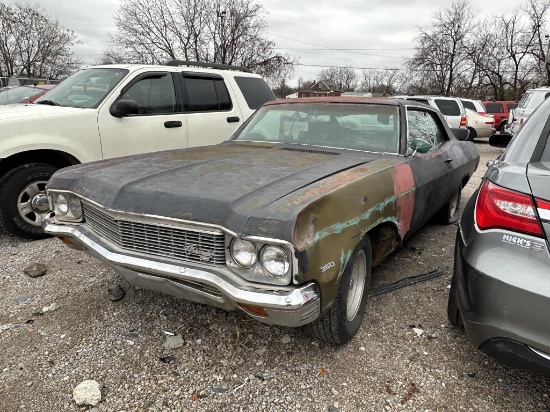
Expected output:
(285, 306)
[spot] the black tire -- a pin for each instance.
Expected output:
(502, 127)
(453, 314)
(450, 211)
(472, 135)
(14, 186)
(338, 325)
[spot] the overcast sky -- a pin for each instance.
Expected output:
(381, 31)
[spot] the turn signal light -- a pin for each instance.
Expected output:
(501, 208)
(254, 310)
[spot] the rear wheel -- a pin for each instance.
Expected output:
(453, 314)
(502, 127)
(23, 204)
(342, 321)
(472, 135)
(450, 211)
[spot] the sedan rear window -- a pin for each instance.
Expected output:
(448, 107)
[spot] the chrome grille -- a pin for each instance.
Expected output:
(160, 240)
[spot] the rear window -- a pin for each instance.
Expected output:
(496, 107)
(255, 91)
(468, 105)
(448, 107)
(546, 154)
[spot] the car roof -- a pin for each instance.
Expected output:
(199, 67)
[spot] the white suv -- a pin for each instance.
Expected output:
(451, 108)
(110, 111)
(530, 100)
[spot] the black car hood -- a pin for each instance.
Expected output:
(223, 184)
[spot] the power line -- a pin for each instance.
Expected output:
(348, 67)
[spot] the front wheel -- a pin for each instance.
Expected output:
(342, 321)
(23, 201)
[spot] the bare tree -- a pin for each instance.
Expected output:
(442, 46)
(344, 77)
(219, 31)
(34, 45)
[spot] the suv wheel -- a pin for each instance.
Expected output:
(24, 204)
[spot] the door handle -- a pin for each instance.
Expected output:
(172, 123)
(233, 119)
(448, 160)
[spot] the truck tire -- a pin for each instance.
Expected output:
(23, 201)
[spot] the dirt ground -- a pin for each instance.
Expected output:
(231, 363)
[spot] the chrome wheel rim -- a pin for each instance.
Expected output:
(32, 203)
(356, 285)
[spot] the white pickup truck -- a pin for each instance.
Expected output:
(115, 110)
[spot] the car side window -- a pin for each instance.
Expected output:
(423, 125)
(494, 107)
(154, 94)
(205, 94)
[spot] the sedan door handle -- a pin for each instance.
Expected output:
(172, 123)
(233, 119)
(448, 160)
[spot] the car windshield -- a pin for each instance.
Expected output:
(18, 94)
(85, 89)
(368, 127)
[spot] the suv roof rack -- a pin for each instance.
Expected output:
(218, 66)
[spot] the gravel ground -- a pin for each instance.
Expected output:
(230, 363)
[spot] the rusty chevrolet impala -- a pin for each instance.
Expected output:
(284, 221)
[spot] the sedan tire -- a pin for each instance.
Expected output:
(23, 204)
(449, 213)
(342, 321)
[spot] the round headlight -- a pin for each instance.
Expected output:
(75, 207)
(275, 261)
(244, 253)
(61, 204)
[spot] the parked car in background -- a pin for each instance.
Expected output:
(501, 111)
(284, 221)
(451, 108)
(115, 110)
(500, 290)
(480, 126)
(474, 105)
(24, 94)
(530, 100)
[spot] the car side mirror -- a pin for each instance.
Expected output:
(461, 133)
(500, 140)
(420, 145)
(124, 108)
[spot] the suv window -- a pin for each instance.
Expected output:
(495, 107)
(255, 91)
(448, 107)
(154, 94)
(425, 101)
(206, 94)
(546, 153)
(512, 106)
(423, 125)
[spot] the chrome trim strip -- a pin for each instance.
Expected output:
(286, 298)
(541, 354)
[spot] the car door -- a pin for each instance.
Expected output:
(212, 116)
(432, 170)
(159, 124)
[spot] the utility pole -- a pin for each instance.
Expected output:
(221, 16)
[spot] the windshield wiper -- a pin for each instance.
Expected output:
(48, 102)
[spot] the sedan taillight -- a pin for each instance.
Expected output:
(463, 121)
(501, 208)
